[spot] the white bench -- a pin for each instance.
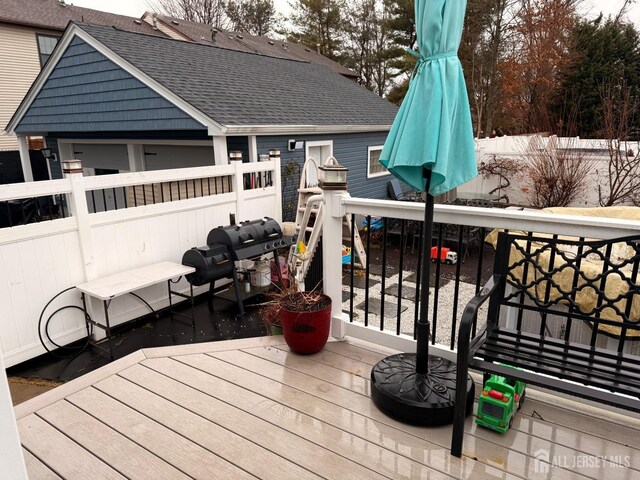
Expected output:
(108, 288)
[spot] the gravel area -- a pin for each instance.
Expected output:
(407, 318)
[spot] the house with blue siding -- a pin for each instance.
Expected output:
(123, 101)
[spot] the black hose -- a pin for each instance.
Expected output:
(77, 350)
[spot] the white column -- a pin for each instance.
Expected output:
(220, 154)
(136, 158)
(11, 457)
(65, 150)
(23, 146)
(332, 258)
(253, 148)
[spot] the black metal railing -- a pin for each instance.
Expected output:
(384, 293)
(32, 210)
(116, 198)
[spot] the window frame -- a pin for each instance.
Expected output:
(40, 54)
(377, 174)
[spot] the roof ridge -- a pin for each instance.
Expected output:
(191, 42)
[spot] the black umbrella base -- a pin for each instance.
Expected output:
(401, 393)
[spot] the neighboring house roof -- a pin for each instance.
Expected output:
(243, 92)
(202, 33)
(55, 15)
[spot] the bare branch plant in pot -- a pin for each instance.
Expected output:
(305, 319)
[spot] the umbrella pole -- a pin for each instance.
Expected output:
(419, 388)
(422, 331)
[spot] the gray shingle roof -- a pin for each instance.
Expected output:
(54, 15)
(239, 88)
(201, 33)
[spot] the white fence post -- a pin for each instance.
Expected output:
(238, 190)
(80, 211)
(277, 184)
(332, 257)
(11, 457)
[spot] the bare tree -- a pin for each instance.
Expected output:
(505, 169)
(556, 174)
(210, 12)
(624, 9)
(621, 180)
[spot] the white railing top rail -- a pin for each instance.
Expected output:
(156, 176)
(515, 220)
(173, 175)
(16, 191)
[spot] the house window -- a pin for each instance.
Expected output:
(375, 167)
(46, 44)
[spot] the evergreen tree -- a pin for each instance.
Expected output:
(603, 52)
(319, 24)
(401, 27)
(367, 51)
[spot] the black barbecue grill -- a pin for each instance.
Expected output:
(225, 245)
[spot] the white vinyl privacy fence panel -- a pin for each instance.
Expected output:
(39, 260)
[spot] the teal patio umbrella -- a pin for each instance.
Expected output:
(430, 147)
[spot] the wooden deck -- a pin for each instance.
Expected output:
(250, 409)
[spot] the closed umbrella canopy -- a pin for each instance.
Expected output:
(433, 127)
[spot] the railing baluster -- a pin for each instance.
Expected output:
(574, 286)
(9, 214)
(93, 200)
(601, 293)
(547, 292)
(627, 310)
(421, 258)
(144, 194)
(525, 273)
(353, 265)
(104, 199)
(153, 193)
(436, 287)
(24, 216)
(115, 197)
(479, 275)
(456, 289)
(366, 280)
(403, 246)
(383, 283)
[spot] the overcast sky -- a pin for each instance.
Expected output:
(136, 8)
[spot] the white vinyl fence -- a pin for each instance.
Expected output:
(38, 260)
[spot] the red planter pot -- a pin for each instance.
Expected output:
(306, 332)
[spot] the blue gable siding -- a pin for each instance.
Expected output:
(86, 92)
(350, 149)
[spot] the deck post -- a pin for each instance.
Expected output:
(25, 159)
(80, 211)
(332, 257)
(11, 457)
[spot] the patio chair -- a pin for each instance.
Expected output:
(395, 192)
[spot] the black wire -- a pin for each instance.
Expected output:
(77, 350)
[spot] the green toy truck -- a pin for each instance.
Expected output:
(499, 401)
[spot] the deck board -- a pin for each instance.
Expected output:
(567, 418)
(177, 450)
(200, 430)
(250, 409)
(367, 454)
(36, 470)
(113, 448)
